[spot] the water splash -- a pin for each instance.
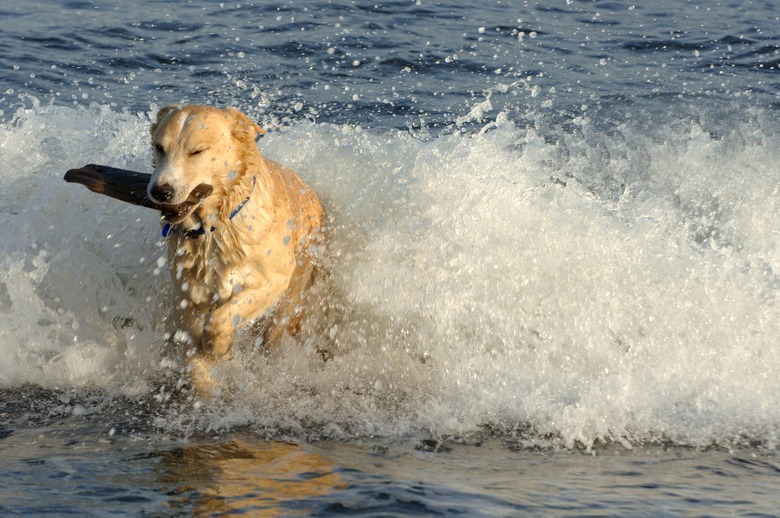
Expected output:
(569, 283)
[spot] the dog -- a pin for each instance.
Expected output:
(249, 249)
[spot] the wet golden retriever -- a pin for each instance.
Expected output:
(246, 251)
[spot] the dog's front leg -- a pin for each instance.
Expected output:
(218, 330)
(237, 312)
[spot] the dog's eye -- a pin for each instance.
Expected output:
(158, 147)
(197, 151)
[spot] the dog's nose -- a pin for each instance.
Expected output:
(161, 192)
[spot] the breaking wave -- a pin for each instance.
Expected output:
(572, 285)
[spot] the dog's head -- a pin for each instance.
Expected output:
(199, 146)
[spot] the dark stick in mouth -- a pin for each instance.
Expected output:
(130, 187)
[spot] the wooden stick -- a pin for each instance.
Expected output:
(130, 187)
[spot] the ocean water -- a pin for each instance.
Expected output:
(554, 260)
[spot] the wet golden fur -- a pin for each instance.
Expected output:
(256, 264)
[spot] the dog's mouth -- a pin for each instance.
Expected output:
(177, 213)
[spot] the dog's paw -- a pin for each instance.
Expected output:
(202, 376)
(217, 337)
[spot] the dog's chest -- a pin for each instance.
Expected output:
(204, 273)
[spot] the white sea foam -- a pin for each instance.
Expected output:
(590, 286)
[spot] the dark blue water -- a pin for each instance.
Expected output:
(391, 63)
(554, 244)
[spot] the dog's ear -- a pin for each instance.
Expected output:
(161, 115)
(244, 128)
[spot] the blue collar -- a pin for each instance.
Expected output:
(197, 232)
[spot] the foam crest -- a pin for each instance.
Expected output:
(580, 285)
